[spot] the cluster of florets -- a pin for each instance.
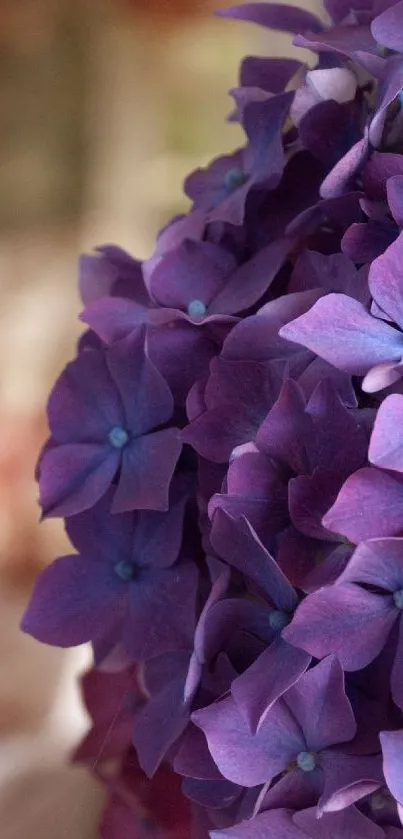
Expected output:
(227, 452)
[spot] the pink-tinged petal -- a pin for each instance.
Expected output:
(386, 445)
(344, 620)
(348, 778)
(148, 464)
(268, 678)
(251, 280)
(84, 403)
(381, 376)
(245, 758)
(236, 542)
(385, 281)
(340, 330)
(319, 703)
(161, 611)
(377, 562)
(273, 823)
(347, 824)
(74, 477)
(396, 681)
(145, 394)
(274, 16)
(392, 749)
(368, 506)
(74, 601)
(387, 27)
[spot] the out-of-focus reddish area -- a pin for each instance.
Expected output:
(105, 105)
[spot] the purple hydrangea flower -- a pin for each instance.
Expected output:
(104, 412)
(125, 584)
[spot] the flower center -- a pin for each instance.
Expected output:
(278, 620)
(118, 437)
(234, 178)
(197, 309)
(398, 598)
(125, 570)
(306, 761)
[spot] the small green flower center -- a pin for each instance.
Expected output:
(278, 620)
(197, 309)
(118, 437)
(306, 761)
(234, 178)
(125, 570)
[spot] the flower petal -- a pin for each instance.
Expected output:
(344, 620)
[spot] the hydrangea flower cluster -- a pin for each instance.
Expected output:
(227, 453)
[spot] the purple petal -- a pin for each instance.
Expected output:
(274, 16)
(394, 189)
(274, 823)
(348, 778)
(296, 788)
(84, 403)
(74, 601)
(378, 562)
(97, 533)
(385, 281)
(392, 749)
(251, 280)
(282, 434)
(341, 177)
(161, 613)
(340, 330)
(369, 505)
(348, 824)
(380, 167)
(319, 703)
(245, 758)
(263, 123)
(148, 464)
(113, 318)
(365, 242)
(270, 74)
(145, 394)
(344, 620)
(193, 758)
(74, 477)
(195, 271)
(159, 724)
(346, 40)
(236, 542)
(268, 678)
(387, 27)
(396, 681)
(212, 795)
(256, 489)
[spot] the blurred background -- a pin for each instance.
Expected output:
(105, 106)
